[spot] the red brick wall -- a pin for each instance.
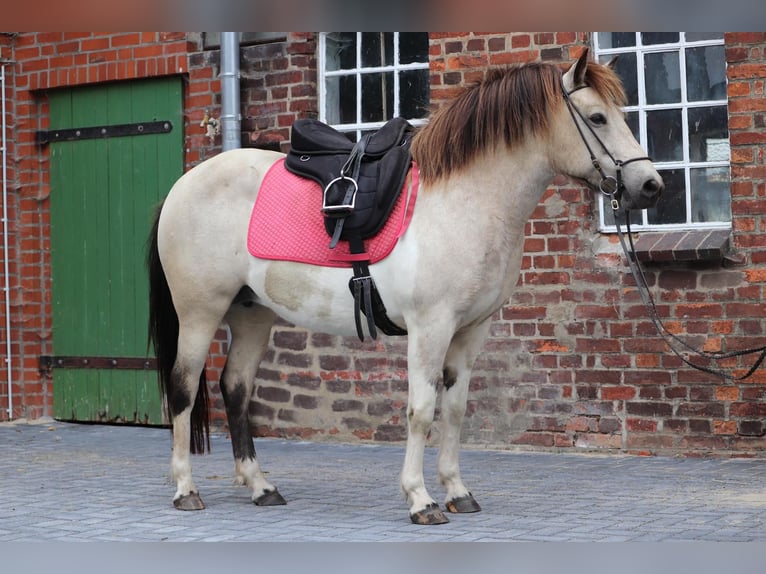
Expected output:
(43, 61)
(47, 60)
(572, 361)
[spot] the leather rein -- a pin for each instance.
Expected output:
(612, 187)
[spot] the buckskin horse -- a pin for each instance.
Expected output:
(484, 160)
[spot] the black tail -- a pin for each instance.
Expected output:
(163, 336)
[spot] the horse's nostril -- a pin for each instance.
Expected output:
(653, 186)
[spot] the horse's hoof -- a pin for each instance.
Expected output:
(190, 501)
(463, 505)
(431, 514)
(271, 498)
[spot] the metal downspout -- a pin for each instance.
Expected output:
(230, 113)
(6, 286)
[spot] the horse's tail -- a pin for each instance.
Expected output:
(163, 336)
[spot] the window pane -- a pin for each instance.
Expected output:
(414, 91)
(659, 37)
(631, 118)
(708, 134)
(626, 69)
(664, 135)
(341, 100)
(377, 97)
(413, 47)
(671, 208)
(700, 36)
(663, 78)
(706, 73)
(377, 49)
(608, 40)
(340, 51)
(710, 194)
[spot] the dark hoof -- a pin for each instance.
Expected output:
(430, 515)
(272, 498)
(464, 504)
(190, 501)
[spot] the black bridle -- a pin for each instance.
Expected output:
(612, 187)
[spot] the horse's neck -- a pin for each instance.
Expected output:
(483, 211)
(507, 187)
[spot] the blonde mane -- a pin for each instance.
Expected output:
(507, 106)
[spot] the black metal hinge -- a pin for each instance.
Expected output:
(47, 363)
(112, 131)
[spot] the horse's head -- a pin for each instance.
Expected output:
(594, 142)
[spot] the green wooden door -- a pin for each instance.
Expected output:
(103, 194)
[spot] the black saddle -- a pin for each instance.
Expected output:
(360, 185)
(360, 181)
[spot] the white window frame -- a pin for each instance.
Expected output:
(603, 55)
(358, 71)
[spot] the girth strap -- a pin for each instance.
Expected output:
(367, 299)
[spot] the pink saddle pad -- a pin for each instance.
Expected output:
(287, 222)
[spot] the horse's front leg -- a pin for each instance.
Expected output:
(457, 376)
(426, 350)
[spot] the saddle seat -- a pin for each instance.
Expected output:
(361, 181)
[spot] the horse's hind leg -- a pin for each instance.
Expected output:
(250, 326)
(195, 335)
(457, 374)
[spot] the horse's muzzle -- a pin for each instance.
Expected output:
(646, 197)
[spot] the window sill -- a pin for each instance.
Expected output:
(696, 245)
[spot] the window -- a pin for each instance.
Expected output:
(676, 87)
(366, 78)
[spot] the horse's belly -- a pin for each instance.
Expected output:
(316, 298)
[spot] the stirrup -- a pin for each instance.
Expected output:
(346, 207)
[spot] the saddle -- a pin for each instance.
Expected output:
(361, 183)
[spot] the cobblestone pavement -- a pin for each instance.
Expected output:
(73, 482)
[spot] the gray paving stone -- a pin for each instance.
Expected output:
(72, 482)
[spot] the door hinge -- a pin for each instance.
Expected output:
(44, 137)
(46, 363)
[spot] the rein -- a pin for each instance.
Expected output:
(671, 339)
(612, 188)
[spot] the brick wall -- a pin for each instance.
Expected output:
(47, 60)
(572, 361)
(43, 61)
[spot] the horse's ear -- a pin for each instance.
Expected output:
(575, 76)
(613, 62)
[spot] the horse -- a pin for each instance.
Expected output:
(484, 158)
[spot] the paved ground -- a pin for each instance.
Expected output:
(77, 482)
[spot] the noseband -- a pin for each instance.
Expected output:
(610, 186)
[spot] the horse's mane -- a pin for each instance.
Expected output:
(508, 105)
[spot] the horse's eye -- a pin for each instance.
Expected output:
(598, 119)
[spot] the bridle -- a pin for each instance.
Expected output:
(609, 185)
(612, 187)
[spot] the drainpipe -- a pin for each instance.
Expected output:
(6, 287)
(230, 114)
